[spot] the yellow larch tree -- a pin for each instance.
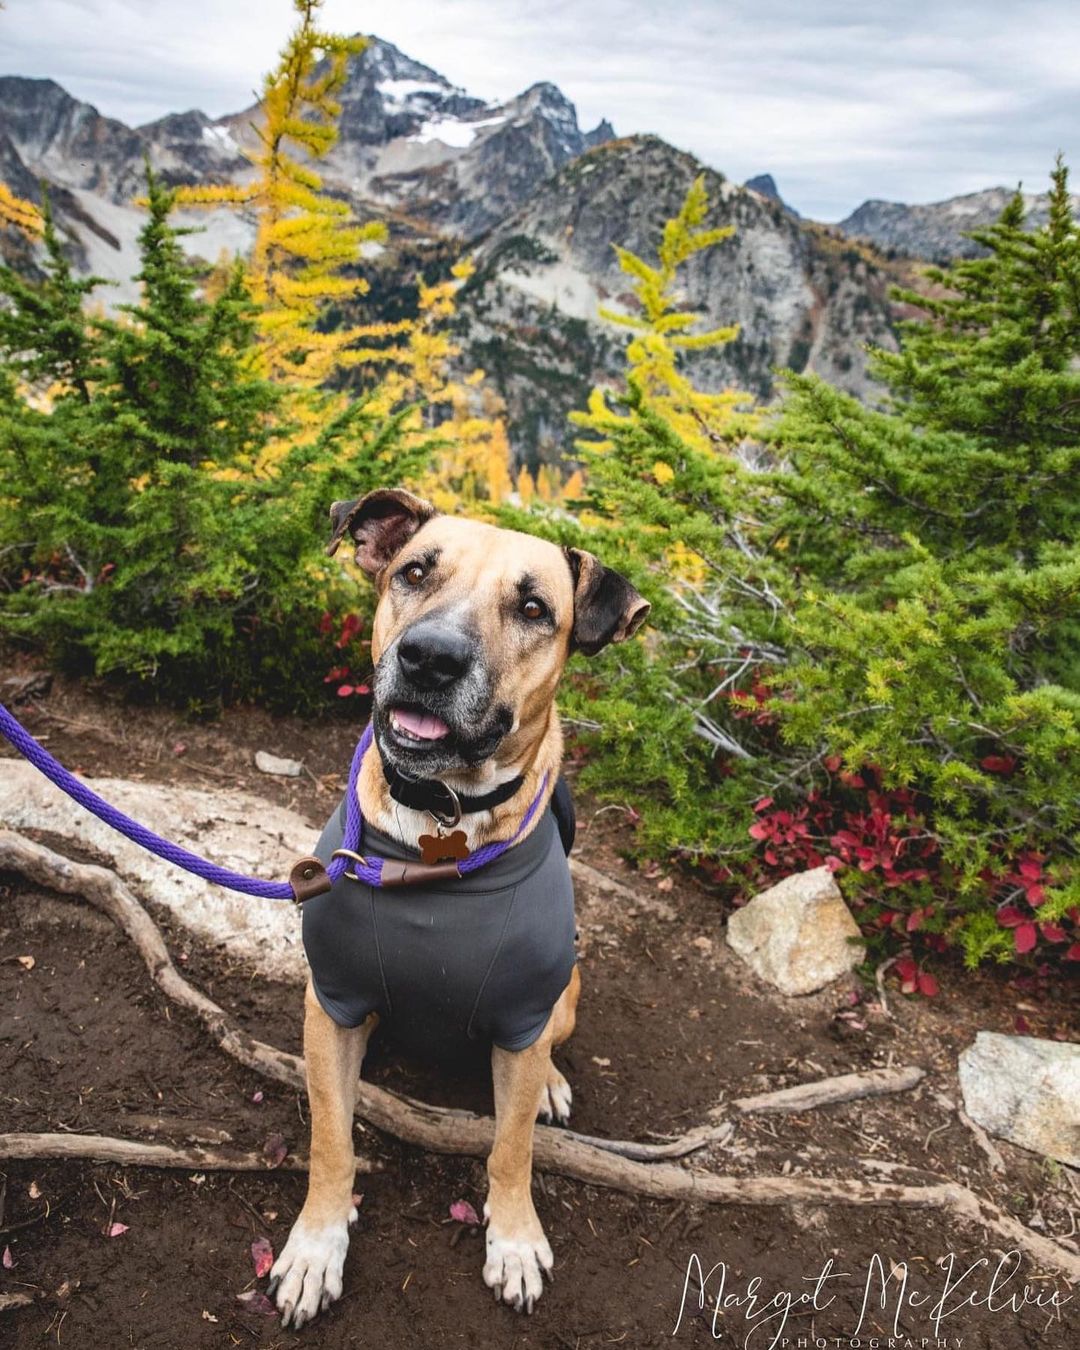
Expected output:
(472, 465)
(304, 236)
(662, 332)
(16, 211)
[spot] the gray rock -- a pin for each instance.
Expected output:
(939, 231)
(283, 768)
(238, 830)
(795, 935)
(1025, 1090)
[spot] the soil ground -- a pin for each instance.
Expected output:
(670, 1025)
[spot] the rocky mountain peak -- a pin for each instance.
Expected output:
(764, 184)
(381, 60)
(938, 231)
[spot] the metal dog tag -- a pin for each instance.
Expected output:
(436, 848)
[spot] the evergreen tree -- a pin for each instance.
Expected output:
(181, 371)
(46, 341)
(936, 635)
(133, 540)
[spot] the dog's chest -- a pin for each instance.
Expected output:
(482, 958)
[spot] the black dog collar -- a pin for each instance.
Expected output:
(429, 794)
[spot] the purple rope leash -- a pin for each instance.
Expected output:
(368, 872)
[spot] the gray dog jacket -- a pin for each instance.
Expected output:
(483, 958)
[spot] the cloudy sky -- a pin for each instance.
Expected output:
(909, 100)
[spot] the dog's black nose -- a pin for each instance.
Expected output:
(432, 657)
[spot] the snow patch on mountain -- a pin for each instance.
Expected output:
(221, 138)
(452, 132)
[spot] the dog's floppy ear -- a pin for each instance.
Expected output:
(381, 523)
(606, 607)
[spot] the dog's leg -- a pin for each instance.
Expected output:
(557, 1098)
(307, 1274)
(518, 1253)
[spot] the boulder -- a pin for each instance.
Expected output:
(796, 934)
(1025, 1090)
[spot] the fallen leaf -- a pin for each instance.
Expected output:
(257, 1097)
(115, 1229)
(27, 962)
(275, 1150)
(35, 1191)
(665, 883)
(463, 1212)
(256, 1301)
(181, 749)
(208, 1316)
(263, 1256)
(8, 1260)
(601, 1061)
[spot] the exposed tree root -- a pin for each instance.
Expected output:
(443, 1131)
(135, 1153)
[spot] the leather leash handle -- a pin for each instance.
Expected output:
(308, 878)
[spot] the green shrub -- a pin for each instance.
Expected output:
(140, 535)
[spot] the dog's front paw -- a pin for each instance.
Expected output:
(516, 1265)
(557, 1099)
(306, 1277)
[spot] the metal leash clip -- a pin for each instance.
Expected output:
(356, 857)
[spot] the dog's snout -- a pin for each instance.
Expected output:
(432, 656)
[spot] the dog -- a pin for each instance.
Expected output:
(472, 629)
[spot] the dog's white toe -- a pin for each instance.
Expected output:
(557, 1099)
(307, 1276)
(515, 1269)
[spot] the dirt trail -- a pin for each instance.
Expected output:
(670, 1025)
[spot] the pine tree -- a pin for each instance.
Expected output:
(46, 340)
(181, 369)
(937, 542)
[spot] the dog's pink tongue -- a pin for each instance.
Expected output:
(424, 725)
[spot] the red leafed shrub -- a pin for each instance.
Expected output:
(345, 679)
(881, 843)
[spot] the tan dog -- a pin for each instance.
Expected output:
(472, 630)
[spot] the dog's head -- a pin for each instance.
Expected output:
(473, 627)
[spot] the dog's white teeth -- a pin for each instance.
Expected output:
(402, 731)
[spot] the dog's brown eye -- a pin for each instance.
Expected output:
(414, 573)
(533, 608)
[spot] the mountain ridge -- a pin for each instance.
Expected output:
(517, 184)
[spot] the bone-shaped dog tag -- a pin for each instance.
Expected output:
(436, 848)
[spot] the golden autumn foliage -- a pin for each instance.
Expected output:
(16, 211)
(662, 332)
(471, 465)
(304, 236)
(305, 240)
